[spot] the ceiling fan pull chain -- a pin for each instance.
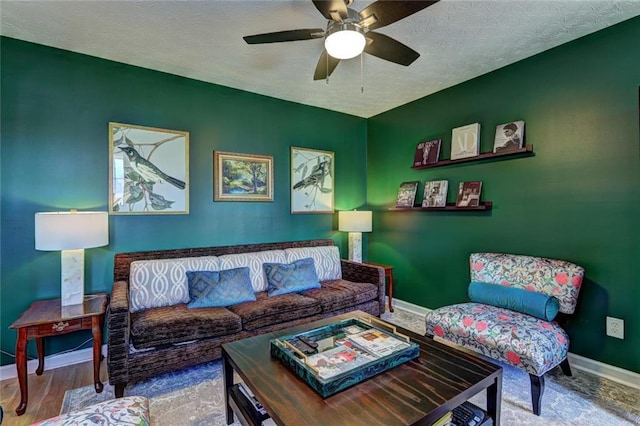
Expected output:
(361, 73)
(327, 62)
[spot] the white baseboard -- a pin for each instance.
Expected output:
(616, 374)
(51, 362)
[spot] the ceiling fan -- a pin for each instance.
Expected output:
(349, 33)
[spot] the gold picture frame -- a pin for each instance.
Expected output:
(148, 170)
(312, 182)
(242, 177)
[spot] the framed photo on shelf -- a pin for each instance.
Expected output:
(312, 183)
(435, 193)
(465, 141)
(407, 194)
(509, 137)
(148, 170)
(469, 194)
(242, 177)
(427, 152)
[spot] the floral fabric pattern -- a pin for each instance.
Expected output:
(131, 410)
(527, 342)
(557, 278)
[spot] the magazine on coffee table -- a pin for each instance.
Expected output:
(341, 354)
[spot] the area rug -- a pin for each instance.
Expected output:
(194, 396)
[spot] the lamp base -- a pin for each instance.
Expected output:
(355, 246)
(72, 277)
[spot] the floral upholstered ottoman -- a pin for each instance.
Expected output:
(130, 410)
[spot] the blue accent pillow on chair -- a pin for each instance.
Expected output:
(291, 277)
(219, 288)
(527, 302)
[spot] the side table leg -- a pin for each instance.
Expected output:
(494, 398)
(390, 291)
(227, 375)
(96, 330)
(21, 365)
(40, 347)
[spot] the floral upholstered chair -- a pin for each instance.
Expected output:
(512, 313)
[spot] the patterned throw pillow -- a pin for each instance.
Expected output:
(326, 259)
(219, 288)
(291, 278)
(253, 261)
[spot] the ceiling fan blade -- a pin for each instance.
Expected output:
(280, 36)
(384, 47)
(324, 68)
(385, 12)
(329, 7)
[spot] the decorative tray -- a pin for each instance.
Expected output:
(342, 354)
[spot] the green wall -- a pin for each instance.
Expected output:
(56, 106)
(577, 198)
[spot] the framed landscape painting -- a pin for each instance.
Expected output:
(148, 170)
(312, 189)
(242, 177)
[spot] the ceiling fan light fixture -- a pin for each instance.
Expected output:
(344, 40)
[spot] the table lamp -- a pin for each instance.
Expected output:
(355, 223)
(71, 232)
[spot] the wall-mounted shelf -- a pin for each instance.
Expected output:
(484, 206)
(522, 152)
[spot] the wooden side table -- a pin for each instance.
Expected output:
(388, 273)
(48, 318)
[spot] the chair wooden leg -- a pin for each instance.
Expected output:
(566, 368)
(537, 389)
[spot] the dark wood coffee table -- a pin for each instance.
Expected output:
(418, 392)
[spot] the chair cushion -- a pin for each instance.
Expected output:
(292, 277)
(340, 294)
(530, 343)
(267, 310)
(178, 324)
(129, 410)
(219, 288)
(517, 299)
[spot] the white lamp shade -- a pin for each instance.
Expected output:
(355, 221)
(71, 230)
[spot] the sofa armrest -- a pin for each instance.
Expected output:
(364, 273)
(118, 323)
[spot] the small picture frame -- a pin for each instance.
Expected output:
(435, 193)
(407, 194)
(465, 141)
(242, 177)
(148, 170)
(427, 152)
(312, 182)
(509, 137)
(469, 194)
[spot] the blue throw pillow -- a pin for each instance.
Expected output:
(219, 288)
(292, 277)
(528, 302)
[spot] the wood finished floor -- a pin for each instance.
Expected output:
(45, 392)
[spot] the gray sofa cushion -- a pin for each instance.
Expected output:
(177, 324)
(340, 294)
(267, 310)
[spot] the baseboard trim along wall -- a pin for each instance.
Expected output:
(578, 362)
(616, 374)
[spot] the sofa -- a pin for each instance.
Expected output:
(518, 307)
(152, 330)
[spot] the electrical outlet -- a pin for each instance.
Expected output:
(615, 327)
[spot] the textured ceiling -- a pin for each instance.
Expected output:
(457, 40)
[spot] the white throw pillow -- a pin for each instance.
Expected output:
(254, 262)
(163, 282)
(325, 258)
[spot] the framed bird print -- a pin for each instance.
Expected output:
(312, 182)
(148, 170)
(242, 177)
